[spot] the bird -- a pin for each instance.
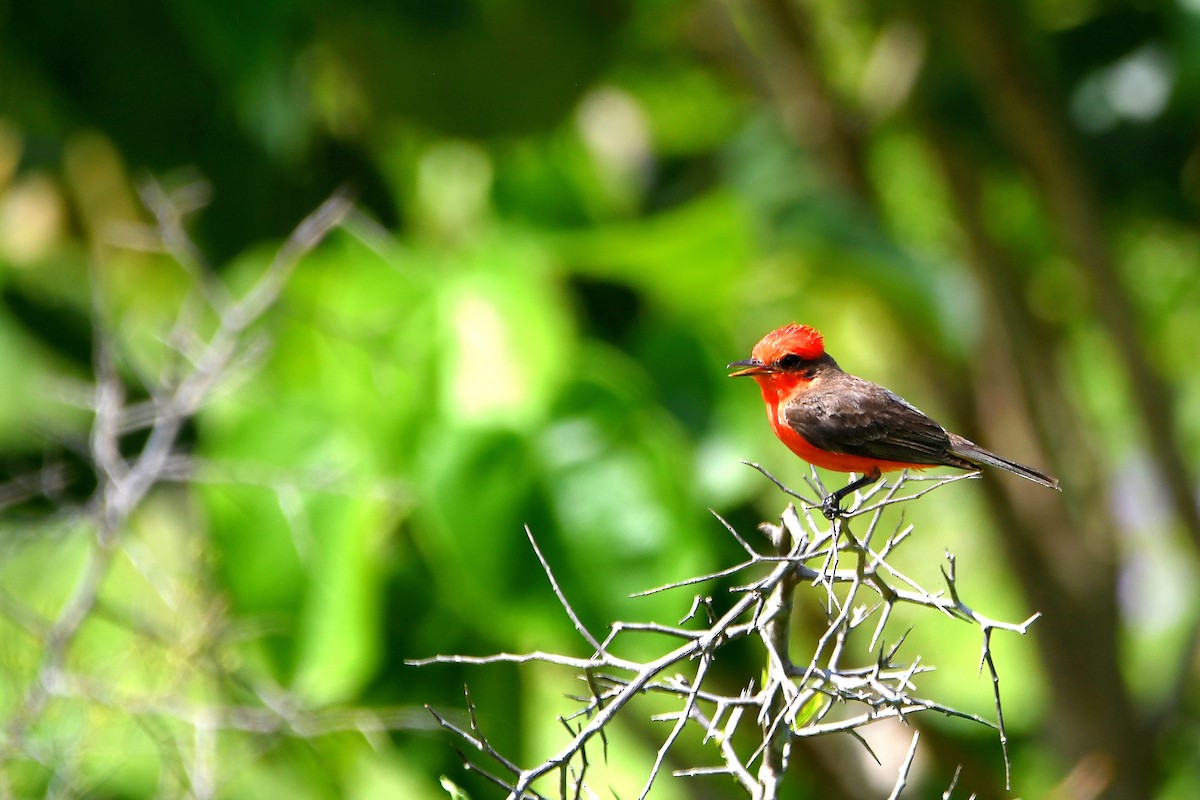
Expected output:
(841, 422)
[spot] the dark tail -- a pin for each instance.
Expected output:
(975, 455)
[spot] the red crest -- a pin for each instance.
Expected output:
(802, 340)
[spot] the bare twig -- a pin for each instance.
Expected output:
(562, 598)
(817, 698)
(124, 480)
(902, 778)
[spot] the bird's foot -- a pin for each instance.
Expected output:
(831, 506)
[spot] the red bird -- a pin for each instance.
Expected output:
(837, 421)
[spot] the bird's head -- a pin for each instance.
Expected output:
(789, 349)
(783, 360)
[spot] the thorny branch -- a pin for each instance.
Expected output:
(123, 482)
(831, 693)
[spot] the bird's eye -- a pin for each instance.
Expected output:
(790, 361)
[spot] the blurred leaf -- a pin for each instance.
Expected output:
(452, 789)
(841, 248)
(688, 259)
(339, 638)
(507, 335)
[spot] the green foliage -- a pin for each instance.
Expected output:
(572, 216)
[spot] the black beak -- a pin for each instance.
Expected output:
(749, 366)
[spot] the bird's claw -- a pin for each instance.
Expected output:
(831, 507)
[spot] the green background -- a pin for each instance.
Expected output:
(570, 216)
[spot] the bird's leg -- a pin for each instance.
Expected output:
(831, 506)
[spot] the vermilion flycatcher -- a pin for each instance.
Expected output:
(841, 422)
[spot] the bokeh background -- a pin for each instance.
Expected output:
(571, 215)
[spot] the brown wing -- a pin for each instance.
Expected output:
(844, 414)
